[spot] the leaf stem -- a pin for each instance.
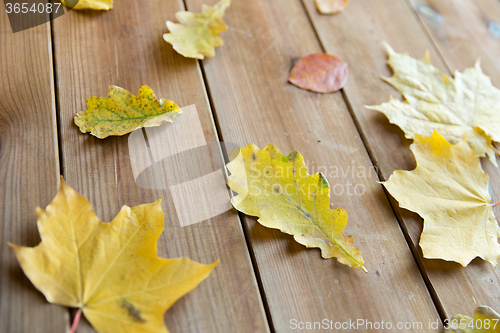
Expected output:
(495, 204)
(75, 321)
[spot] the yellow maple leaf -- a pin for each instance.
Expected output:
(109, 270)
(485, 320)
(467, 105)
(121, 112)
(331, 6)
(89, 4)
(197, 35)
(279, 190)
(449, 190)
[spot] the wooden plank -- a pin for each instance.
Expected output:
(29, 170)
(455, 289)
(253, 102)
(124, 47)
(461, 44)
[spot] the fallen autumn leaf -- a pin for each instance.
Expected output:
(319, 72)
(110, 271)
(279, 190)
(449, 190)
(121, 112)
(197, 35)
(89, 4)
(467, 105)
(331, 6)
(485, 320)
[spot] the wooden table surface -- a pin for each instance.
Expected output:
(265, 281)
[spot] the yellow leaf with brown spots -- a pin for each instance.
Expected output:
(88, 4)
(110, 271)
(121, 112)
(279, 190)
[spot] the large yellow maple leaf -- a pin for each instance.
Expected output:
(449, 190)
(197, 35)
(121, 112)
(467, 105)
(279, 190)
(109, 270)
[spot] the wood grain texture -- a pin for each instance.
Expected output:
(125, 47)
(253, 102)
(466, 31)
(29, 170)
(456, 289)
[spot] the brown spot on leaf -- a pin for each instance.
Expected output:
(292, 156)
(277, 189)
(132, 311)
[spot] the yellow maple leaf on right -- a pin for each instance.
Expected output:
(197, 34)
(449, 190)
(467, 105)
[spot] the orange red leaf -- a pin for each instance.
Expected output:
(319, 72)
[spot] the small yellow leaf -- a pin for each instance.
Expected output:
(485, 320)
(89, 4)
(109, 270)
(121, 112)
(467, 105)
(449, 190)
(197, 35)
(331, 6)
(279, 190)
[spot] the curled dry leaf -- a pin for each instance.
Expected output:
(331, 6)
(110, 271)
(89, 4)
(485, 320)
(197, 35)
(279, 190)
(467, 105)
(319, 72)
(121, 112)
(449, 190)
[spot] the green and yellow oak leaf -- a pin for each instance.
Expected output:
(279, 190)
(485, 320)
(449, 190)
(197, 34)
(121, 112)
(109, 270)
(467, 105)
(89, 4)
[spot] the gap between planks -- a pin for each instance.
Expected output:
(225, 158)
